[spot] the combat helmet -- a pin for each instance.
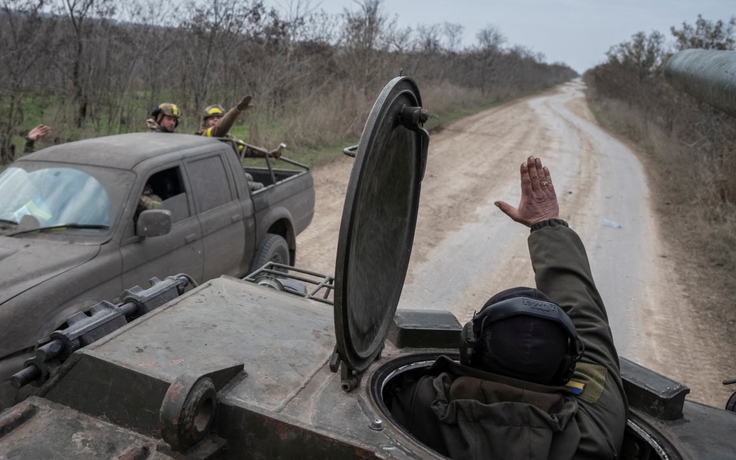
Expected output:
(169, 109)
(213, 111)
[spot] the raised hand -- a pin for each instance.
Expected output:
(242, 105)
(38, 132)
(538, 197)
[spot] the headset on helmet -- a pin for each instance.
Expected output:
(471, 349)
(213, 111)
(166, 108)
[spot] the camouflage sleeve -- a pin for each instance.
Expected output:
(152, 126)
(255, 152)
(148, 200)
(30, 146)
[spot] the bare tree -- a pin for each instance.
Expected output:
(152, 39)
(22, 32)
(453, 36)
(80, 13)
(705, 34)
(645, 53)
(490, 41)
(364, 41)
(429, 39)
(213, 29)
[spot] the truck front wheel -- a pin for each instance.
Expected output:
(273, 249)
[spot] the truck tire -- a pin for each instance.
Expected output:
(273, 249)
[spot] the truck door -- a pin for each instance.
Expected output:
(221, 216)
(179, 251)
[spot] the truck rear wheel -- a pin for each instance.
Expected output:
(273, 249)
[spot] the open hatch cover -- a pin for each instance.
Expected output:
(378, 222)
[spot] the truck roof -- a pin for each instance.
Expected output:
(123, 151)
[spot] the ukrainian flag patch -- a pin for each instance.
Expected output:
(575, 387)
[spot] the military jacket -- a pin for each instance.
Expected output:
(29, 146)
(464, 413)
(153, 127)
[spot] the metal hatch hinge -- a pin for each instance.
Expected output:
(413, 119)
(349, 378)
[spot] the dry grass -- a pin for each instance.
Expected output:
(319, 126)
(445, 97)
(324, 119)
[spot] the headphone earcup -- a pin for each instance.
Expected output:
(467, 344)
(565, 371)
(157, 114)
(567, 366)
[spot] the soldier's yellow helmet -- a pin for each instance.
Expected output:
(213, 111)
(169, 109)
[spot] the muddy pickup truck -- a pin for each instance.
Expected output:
(72, 231)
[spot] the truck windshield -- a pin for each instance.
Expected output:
(55, 196)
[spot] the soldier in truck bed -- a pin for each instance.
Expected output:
(539, 375)
(217, 123)
(164, 119)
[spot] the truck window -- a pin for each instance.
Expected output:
(167, 185)
(210, 182)
(55, 196)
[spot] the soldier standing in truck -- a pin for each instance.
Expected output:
(217, 123)
(164, 119)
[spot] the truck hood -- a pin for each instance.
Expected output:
(26, 262)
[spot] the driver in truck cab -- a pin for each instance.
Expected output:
(539, 373)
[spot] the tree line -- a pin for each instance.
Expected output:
(97, 67)
(689, 151)
(633, 75)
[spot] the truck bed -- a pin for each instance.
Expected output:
(294, 196)
(263, 175)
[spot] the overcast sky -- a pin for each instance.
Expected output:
(576, 32)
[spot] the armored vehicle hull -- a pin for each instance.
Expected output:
(267, 356)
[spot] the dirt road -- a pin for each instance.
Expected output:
(465, 249)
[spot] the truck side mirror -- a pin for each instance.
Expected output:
(153, 222)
